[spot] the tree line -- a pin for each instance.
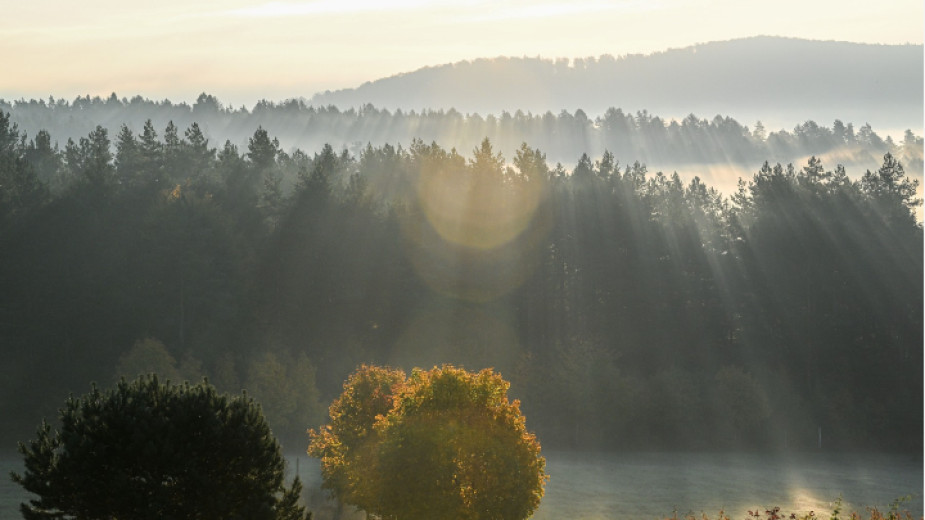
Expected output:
(629, 310)
(563, 136)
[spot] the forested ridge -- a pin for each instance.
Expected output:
(629, 309)
(563, 136)
(762, 77)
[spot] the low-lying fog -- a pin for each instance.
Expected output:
(648, 486)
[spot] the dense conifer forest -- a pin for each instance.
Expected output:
(629, 309)
(563, 136)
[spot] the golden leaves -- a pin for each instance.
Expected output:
(449, 445)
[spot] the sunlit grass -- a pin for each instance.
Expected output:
(836, 512)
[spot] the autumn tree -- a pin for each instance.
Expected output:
(347, 444)
(452, 446)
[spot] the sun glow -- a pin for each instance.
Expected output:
(233, 50)
(476, 227)
(477, 213)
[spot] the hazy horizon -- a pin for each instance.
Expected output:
(236, 100)
(689, 309)
(245, 51)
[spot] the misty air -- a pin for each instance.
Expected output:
(452, 274)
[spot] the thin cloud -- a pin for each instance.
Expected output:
(532, 10)
(319, 7)
(473, 11)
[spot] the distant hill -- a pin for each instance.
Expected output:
(777, 80)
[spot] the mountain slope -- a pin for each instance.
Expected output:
(778, 80)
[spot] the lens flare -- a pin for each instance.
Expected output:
(478, 211)
(476, 237)
(473, 274)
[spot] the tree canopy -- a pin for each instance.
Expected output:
(441, 444)
(149, 450)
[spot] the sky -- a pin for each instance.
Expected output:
(242, 51)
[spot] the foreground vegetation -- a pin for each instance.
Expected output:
(440, 444)
(629, 310)
(149, 450)
(896, 512)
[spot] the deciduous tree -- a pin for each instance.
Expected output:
(452, 446)
(346, 446)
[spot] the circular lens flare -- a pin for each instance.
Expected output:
(478, 211)
(473, 273)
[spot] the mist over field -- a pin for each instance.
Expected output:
(647, 486)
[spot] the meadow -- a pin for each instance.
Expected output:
(649, 486)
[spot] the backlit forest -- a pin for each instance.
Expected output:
(629, 309)
(563, 136)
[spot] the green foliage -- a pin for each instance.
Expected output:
(150, 356)
(443, 444)
(563, 136)
(893, 193)
(90, 160)
(149, 450)
(581, 378)
(740, 403)
(284, 385)
(147, 356)
(262, 151)
(21, 190)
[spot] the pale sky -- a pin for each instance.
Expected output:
(245, 50)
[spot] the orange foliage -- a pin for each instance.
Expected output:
(444, 443)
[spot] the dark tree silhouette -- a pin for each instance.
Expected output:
(150, 450)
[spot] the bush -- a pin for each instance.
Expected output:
(147, 450)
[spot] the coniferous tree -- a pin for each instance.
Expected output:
(150, 450)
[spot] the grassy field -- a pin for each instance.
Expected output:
(648, 486)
